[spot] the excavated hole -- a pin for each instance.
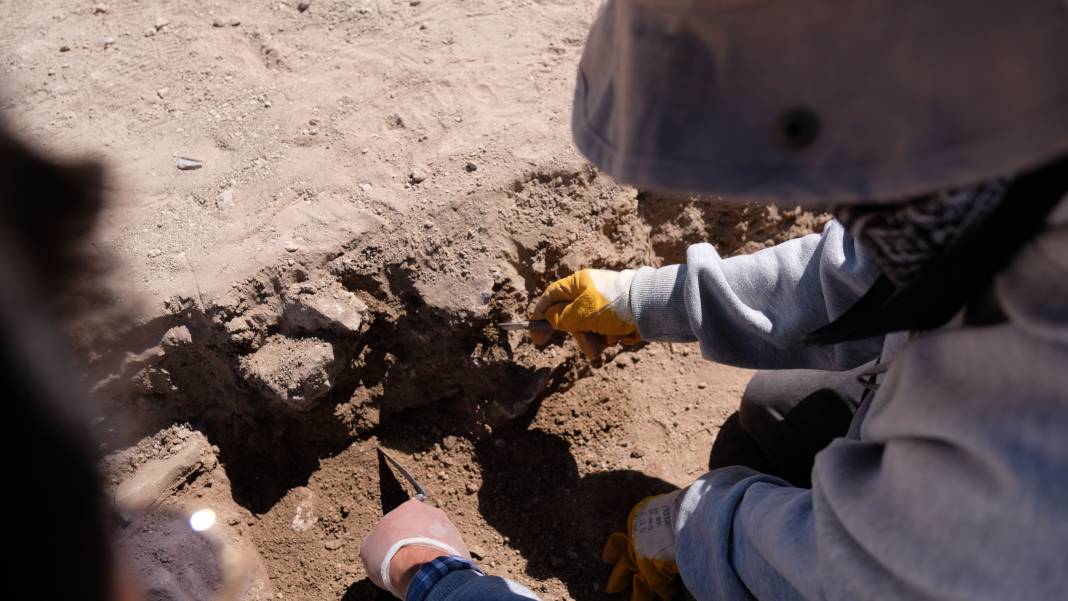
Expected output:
(302, 360)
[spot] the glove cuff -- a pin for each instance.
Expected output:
(421, 541)
(657, 301)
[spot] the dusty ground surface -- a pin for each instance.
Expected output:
(382, 181)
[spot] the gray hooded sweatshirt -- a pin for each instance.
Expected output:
(953, 482)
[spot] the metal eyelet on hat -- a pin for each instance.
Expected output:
(798, 128)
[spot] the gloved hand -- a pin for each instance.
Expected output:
(644, 556)
(593, 305)
(409, 536)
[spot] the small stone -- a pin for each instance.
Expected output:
(469, 167)
(472, 488)
(304, 517)
(161, 23)
(303, 5)
(150, 32)
(100, 9)
(414, 2)
(291, 247)
(109, 42)
(477, 552)
(417, 176)
(184, 164)
(394, 121)
(64, 48)
(309, 307)
(225, 200)
(636, 454)
(332, 544)
(162, 93)
(155, 252)
(226, 21)
(702, 385)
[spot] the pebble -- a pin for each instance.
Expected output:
(225, 200)
(161, 23)
(472, 488)
(417, 176)
(162, 92)
(291, 247)
(469, 167)
(303, 5)
(64, 48)
(150, 32)
(189, 164)
(332, 544)
(477, 552)
(702, 385)
(155, 252)
(100, 9)
(636, 454)
(109, 42)
(224, 21)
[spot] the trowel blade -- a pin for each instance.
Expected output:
(533, 324)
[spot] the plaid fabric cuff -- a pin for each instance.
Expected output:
(431, 573)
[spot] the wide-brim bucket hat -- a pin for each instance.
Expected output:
(822, 101)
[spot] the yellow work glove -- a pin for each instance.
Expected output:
(644, 556)
(593, 305)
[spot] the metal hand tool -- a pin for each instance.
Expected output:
(533, 325)
(420, 492)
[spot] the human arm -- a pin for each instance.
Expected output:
(951, 492)
(417, 554)
(755, 310)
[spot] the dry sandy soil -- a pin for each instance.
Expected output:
(382, 181)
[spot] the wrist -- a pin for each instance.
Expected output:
(407, 562)
(657, 301)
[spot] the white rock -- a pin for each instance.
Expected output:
(225, 200)
(324, 305)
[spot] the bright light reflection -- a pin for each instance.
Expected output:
(202, 520)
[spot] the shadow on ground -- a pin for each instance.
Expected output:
(557, 519)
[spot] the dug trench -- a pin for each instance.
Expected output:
(288, 384)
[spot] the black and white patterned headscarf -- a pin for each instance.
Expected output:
(905, 239)
(939, 252)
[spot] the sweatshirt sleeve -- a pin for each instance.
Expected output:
(955, 489)
(753, 310)
(469, 586)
